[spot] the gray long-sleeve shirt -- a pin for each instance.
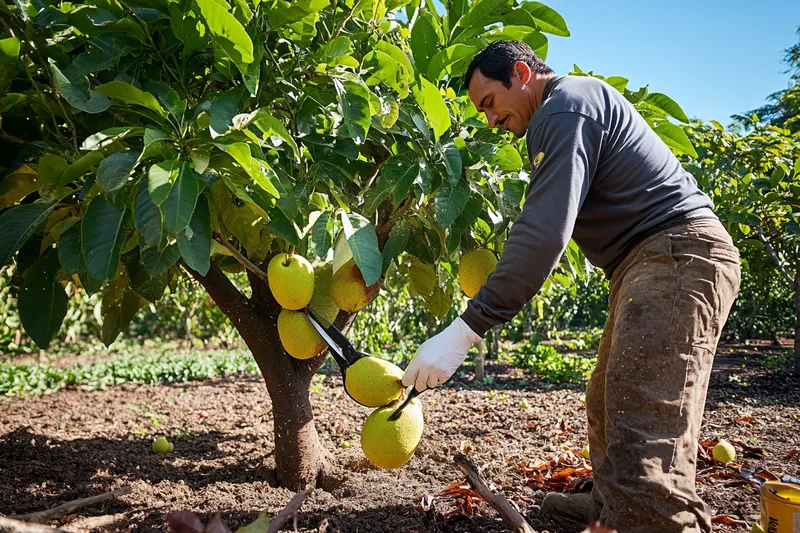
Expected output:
(600, 175)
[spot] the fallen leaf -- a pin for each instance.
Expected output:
(184, 522)
(259, 525)
(728, 520)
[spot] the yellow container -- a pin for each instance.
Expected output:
(780, 507)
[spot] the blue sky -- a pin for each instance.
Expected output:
(715, 58)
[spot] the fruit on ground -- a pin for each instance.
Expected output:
(474, 270)
(291, 280)
(523, 403)
(298, 336)
(162, 445)
(724, 452)
(374, 382)
(756, 528)
(349, 290)
(390, 444)
(585, 452)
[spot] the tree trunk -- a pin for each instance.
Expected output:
(300, 458)
(496, 341)
(797, 321)
(480, 375)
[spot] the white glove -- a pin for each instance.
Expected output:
(439, 357)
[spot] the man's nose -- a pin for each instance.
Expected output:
(492, 117)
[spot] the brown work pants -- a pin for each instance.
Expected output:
(669, 300)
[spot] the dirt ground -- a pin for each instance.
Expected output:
(75, 443)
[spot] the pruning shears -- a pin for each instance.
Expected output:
(345, 354)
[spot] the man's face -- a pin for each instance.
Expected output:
(507, 108)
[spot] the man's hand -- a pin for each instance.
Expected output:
(440, 356)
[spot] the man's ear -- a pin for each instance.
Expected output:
(523, 71)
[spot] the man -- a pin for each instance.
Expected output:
(600, 175)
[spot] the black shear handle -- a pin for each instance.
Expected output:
(411, 395)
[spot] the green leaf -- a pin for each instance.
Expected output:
(268, 124)
(131, 95)
(363, 243)
(179, 205)
(339, 46)
(281, 226)
(450, 201)
(286, 11)
(396, 243)
(666, 105)
(320, 236)
(439, 302)
(9, 50)
(430, 100)
(157, 260)
(195, 241)
(160, 179)
(102, 234)
(227, 32)
(261, 524)
(69, 249)
(224, 108)
(16, 226)
(452, 161)
(148, 218)
(257, 169)
(115, 170)
(42, 300)
(453, 60)
(188, 28)
(151, 288)
(675, 138)
(106, 137)
(120, 304)
(477, 12)
(80, 167)
(425, 40)
(548, 19)
(422, 277)
(388, 70)
(399, 173)
(354, 106)
(93, 103)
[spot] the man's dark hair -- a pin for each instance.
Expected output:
(497, 60)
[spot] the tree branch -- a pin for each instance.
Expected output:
(68, 507)
(510, 516)
(225, 294)
(239, 257)
(774, 255)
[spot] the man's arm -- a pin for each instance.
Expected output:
(559, 183)
(571, 146)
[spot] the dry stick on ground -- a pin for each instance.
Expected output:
(9, 525)
(289, 511)
(68, 507)
(510, 516)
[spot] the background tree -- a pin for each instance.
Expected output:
(784, 107)
(150, 140)
(754, 180)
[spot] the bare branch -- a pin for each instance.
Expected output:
(288, 512)
(225, 294)
(239, 257)
(774, 256)
(510, 516)
(9, 525)
(68, 507)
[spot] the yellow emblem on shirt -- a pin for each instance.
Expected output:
(538, 159)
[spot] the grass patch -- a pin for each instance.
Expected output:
(144, 367)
